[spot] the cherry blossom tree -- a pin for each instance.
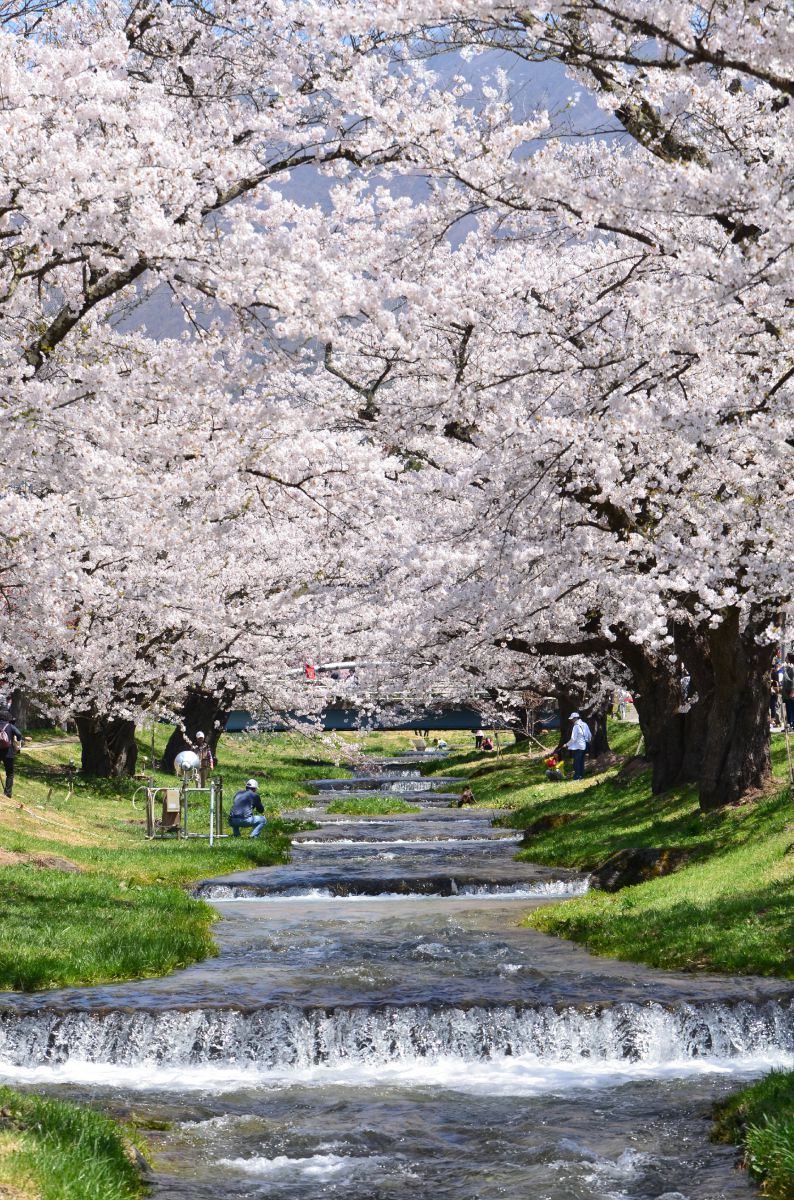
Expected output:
(606, 356)
(169, 494)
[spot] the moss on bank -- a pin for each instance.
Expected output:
(56, 1150)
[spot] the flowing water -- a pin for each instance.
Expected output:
(379, 1026)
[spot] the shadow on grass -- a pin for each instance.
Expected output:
(750, 933)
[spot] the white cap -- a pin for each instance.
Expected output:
(199, 734)
(251, 783)
(574, 717)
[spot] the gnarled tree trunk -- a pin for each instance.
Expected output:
(108, 745)
(201, 711)
(735, 755)
(656, 691)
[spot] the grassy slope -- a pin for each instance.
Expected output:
(730, 910)
(55, 1150)
(104, 925)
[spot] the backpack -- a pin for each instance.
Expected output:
(8, 740)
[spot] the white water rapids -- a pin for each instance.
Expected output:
(475, 1047)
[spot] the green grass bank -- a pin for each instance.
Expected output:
(729, 908)
(56, 1150)
(760, 1119)
(87, 899)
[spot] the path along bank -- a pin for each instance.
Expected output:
(357, 990)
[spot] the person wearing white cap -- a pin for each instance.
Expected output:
(206, 761)
(246, 802)
(580, 740)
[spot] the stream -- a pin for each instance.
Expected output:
(378, 1026)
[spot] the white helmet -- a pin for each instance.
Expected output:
(253, 785)
(199, 734)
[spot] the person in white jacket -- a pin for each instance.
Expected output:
(579, 741)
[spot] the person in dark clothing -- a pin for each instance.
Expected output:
(246, 802)
(774, 698)
(10, 745)
(787, 688)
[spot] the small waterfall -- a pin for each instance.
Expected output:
(416, 784)
(413, 889)
(292, 1037)
(549, 888)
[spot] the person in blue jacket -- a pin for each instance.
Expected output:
(580, 740)
(245, 804)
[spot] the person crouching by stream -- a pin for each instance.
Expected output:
(246, 802)
(465, 797)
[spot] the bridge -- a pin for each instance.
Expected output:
(350, 718)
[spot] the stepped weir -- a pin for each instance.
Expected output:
(378, 1025)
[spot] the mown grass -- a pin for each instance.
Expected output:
(58, 929)
(371, 806)
(56, 1150)
(126, 915)
(760, 1119)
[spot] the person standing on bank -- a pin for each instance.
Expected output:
(580, 740)
(10, 746)
(206, 761)
(246, 802)
(787, 689)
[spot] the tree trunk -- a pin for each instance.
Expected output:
(108, 745)
(597, 720)
(735, 756)
(694, 652)
(656, 690)
(201, 711)
(20, 707)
